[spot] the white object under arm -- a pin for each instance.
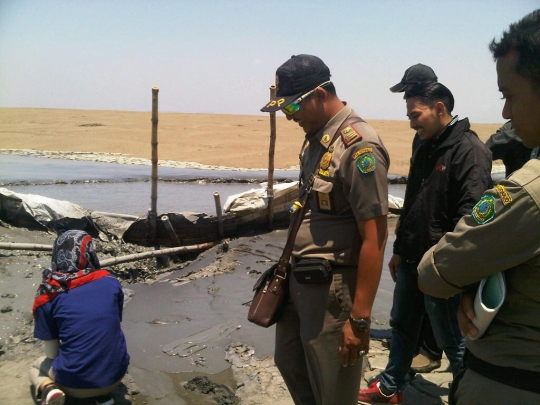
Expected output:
(51, 348)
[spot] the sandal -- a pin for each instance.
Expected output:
(52, 395)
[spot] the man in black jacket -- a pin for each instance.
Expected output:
(450, 169)
(506, 145)
(429, 355)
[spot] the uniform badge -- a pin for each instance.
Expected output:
(325, 138)
(324, 201)
(503, 193)
(325, 173)
(325, 161)
(361, 152)
(484, 210)
(366, 164)
(349, 135)
(331, 148)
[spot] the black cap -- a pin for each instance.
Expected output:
(415, 75)
(295, 77)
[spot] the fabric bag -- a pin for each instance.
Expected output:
(313, 271)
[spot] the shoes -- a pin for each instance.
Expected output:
(52, 395)
(423, 364)
(372, 395)
(105, 400)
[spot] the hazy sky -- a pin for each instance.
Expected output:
(221, 56)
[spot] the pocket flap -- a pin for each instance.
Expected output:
(322, 186)
(265, 276)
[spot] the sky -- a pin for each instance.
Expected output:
(220, 57)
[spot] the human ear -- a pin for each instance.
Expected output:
(321, 94)
(439, 106)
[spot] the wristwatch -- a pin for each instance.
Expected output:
(361, 324)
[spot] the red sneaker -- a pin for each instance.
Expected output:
(372, 395)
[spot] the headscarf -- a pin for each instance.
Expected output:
(74, 263)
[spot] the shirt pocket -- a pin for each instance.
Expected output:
(322, 186)
(322, 195)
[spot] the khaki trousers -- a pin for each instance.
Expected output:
(308, 338)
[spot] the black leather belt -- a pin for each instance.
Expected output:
(514, 377)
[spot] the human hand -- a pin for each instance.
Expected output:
(393, 266)
(354, 344)
(465, 314)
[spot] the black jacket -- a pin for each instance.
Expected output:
(447, 177)
(505, 144)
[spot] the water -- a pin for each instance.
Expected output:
(126, 189)
(14, 168)
(133, 198)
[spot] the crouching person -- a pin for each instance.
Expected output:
(78, 311)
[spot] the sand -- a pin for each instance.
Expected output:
(209, 139)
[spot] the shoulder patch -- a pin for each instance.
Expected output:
(484, 210)
(350, 135)
(361, 152)
(503, 193)
(366, 163)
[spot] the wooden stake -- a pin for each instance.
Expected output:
(153, 207)
(271, 149)
(170, 230)
(219, 214)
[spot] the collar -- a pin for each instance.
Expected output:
(450, 124)
(451, 134)
(325, 134)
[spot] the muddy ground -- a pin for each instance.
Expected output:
(185, 325)
(223, 374)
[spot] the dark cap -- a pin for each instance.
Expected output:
(295, 77)
(414, 75)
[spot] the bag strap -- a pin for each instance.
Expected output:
(281, 270)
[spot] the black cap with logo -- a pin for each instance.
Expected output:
(300, 74)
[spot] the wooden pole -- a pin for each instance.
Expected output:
(153, 206)
(155, 253)
(170, 230)
(270, 189)
(219, 214)
(114, 215)
(25, 246)
(114, 260)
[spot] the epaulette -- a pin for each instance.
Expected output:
(350, 135)
(505, 196)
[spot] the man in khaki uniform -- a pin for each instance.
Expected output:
(321, 338)
(502, 234)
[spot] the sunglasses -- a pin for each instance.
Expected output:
(292, 108)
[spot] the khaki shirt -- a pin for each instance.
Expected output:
(502, 234)
(351, 187)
